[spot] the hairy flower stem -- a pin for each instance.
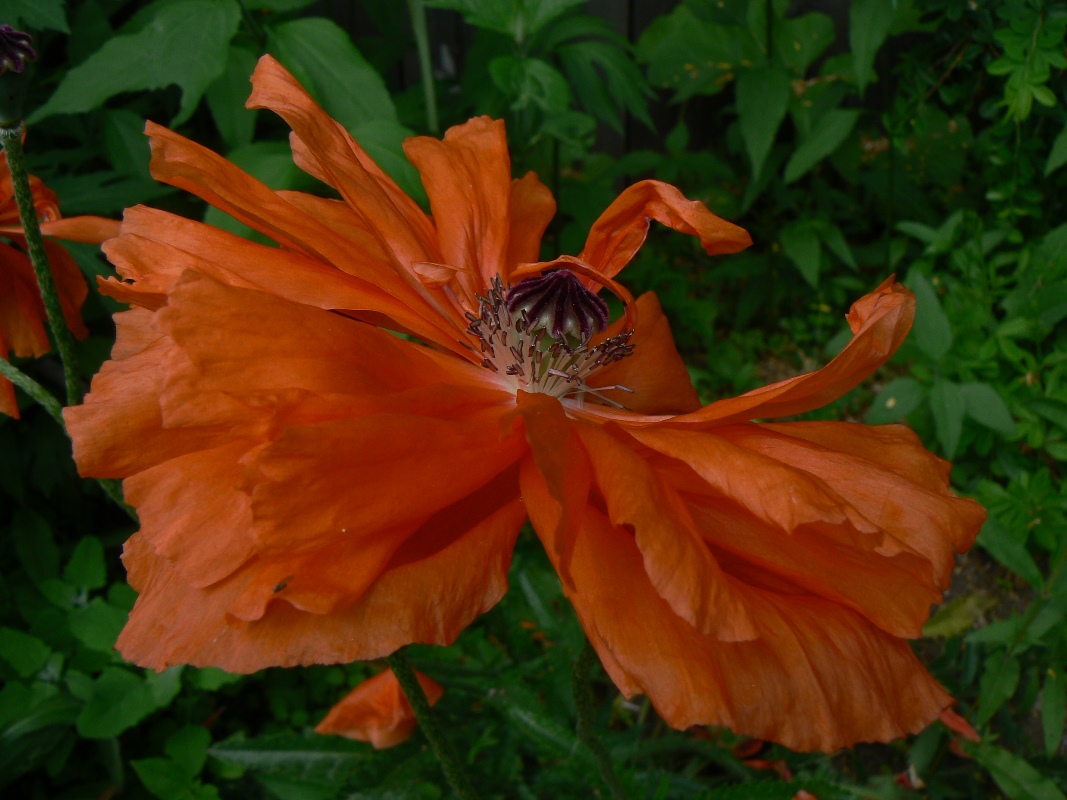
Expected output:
(11, 139)
(583, 700)
(431, 727)
(44, 398)
(417, 9)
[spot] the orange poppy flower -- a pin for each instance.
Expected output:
(378, 711)
(313, 488)
(23, 326)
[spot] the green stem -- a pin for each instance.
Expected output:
(583, 700)
(112, 488)
(431, 727)
(33, 389)
(11, 139)
(422, 44)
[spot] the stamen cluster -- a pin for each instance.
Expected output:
(541, 362)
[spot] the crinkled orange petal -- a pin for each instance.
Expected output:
(880, 321)
(467, 176)
(677, 561)
(621, 230)
(450, 571)
(884, 473)
(22, 319)
(377, 711)
(655, 372)
(818, 676)
(88, 229)
(531, 209)
(402, 228)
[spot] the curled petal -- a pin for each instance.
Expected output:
(532, 208)
(377, 711)
(621, 230)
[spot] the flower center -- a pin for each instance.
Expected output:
(538, 333)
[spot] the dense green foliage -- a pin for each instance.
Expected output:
(922, 137)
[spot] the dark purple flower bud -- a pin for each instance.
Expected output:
(558, 303)
(15, 50)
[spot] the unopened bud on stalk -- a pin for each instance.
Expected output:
(16, 52)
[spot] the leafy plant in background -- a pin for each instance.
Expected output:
(925, 137)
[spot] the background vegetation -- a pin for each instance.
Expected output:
(922, 137)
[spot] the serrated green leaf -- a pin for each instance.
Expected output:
(828, 133)
(86, 568)
(36, 15)
(1000, 677)
(1015, 777)
(226, 98)
(185, 44)
(869, 24)
(321, 55)
(801, 244)
(998, 541)
(25, 653)
(898, 399)
(985, 406)
(1053, 707)
(931, 331)
(948, 407)
(530, 82)
(606, 81)
(762, 100)
(801, 40)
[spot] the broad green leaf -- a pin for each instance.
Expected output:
(35, 15)
(97, 625)
(869, 24)
(163, 778)
(828, 133)
(958, 616)
(1000, 677)
(948, 407)
(120, 699)
(86, 568)
(321, 55)
(1053, 708)
(801, 244)
(931, 331)
(531, 81)
(1057, 156)
(998, 541)
(898, 399)
(226, 98)
(128, 149)
(538, 13)
(186, 44)
(1015, 777)
(34, 546)
(985, 407)
(495, 15)
(1055, 411)
(383, 140)
(835, 242)
(801, 40)
(762, 100)
(606, 81)
(212, 678)
(188, 747)
(26, 654)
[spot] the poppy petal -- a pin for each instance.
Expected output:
(88, 229)
(621, 230)
(378, 712)
(532, 208)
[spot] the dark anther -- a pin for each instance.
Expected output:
(558, 303)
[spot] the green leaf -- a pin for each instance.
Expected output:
(86, 568)
(538, 13)
(120, 699)
(801, 244)
(322, 57)
(985, 407)
(828, 133)
(185, 43)
(762, 100)
(26, 654)
(530, 81)
(328, 758)
(1053, 708)
(931, 331)
(163, 778)
(998, 541)
(1000, 677)
(958, 616)
(898, 399)
(188, 748)
(869, 24)
(36, 15)
(948, 407)
(127, 146)
(495, 15)
(606, 81)
(835, 242)
(1057, 156)
(801, 40)
(1015, 777)
(97, 625)
(383, 140)
(1055, 411)
(35, 546)
(226, 98)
